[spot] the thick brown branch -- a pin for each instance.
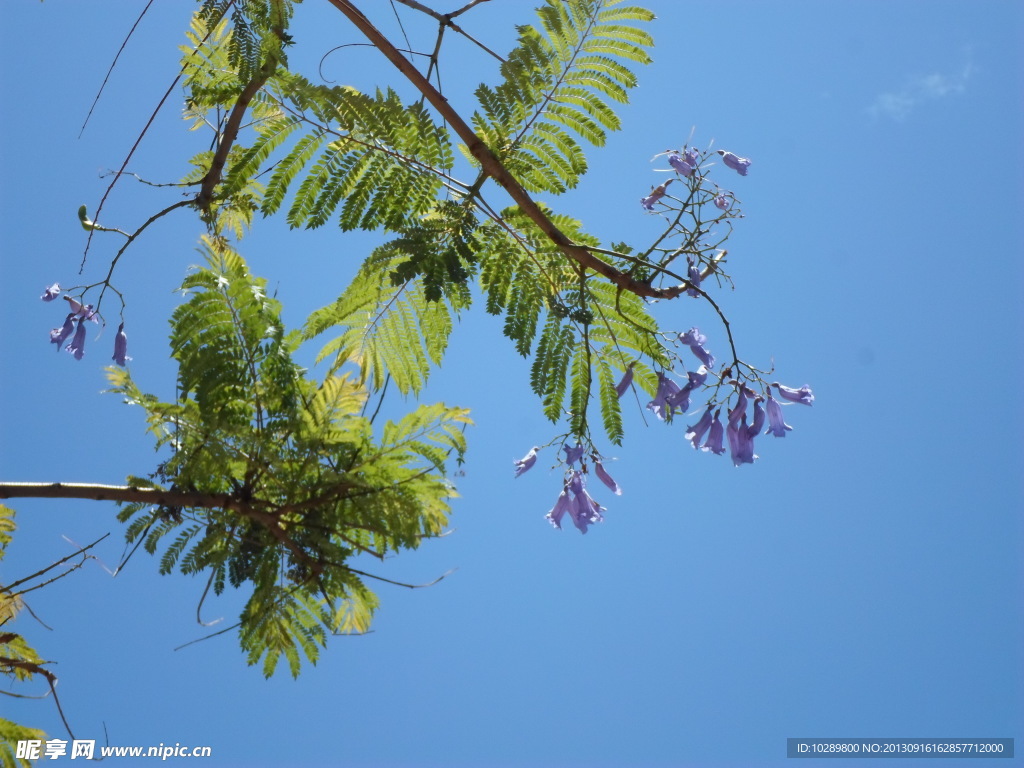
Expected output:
(123, 493)
(131, 494)
(494, 168)
(230, 133)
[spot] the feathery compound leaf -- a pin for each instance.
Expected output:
(282, 622)
(7, 527)
(621, 321)
(275, 481)
(428, 424)
(287, 169)
(611, 412)
(512, 279)
(441, 249)
(207, 76)
(221, 336)
(556, 81)
(354, 614)
(555, 350)
(381, 168)
(386, 329)
(10, 735)
(246, 164)
(579, 392)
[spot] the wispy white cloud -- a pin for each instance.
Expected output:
(899, 104)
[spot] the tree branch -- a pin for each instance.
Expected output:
(213, 176)
(445, 20)
(494, 168)
(123, 493)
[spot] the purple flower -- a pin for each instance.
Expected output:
(86, 312)
(679, 399)
(74, 306)
(584, 510)
(660, 405)
(678, 162)
(739, 410)
(696, 432)
(77, 345)
(51, 293)
(625, 381)
(715, 436)
(804, 396)
(605, 478)
(656, 195)
(693, 276)
(697, 378)
(741, 444)
(685, 163)
(776, 422)
(572, 454)
(524, 464)
(737, 163)
(59, 335)
(732, 434)
(558, 511)
(695, 340)
(722, 202)
(120, 346)
(741, 441)
(755, 427)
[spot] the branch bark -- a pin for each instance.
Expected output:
(494, 168)
(123, 493)
(230, 133)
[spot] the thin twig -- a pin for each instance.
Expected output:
(402, 583)
(445, 20)
(112, 65)
(50, 567)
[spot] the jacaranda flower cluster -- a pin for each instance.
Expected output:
(74, 323)
(574, 500)
(685, 163)
(748, 414)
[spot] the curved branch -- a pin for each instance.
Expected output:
(227, 140)
(494, 168)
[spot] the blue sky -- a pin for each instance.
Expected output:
(863, 578)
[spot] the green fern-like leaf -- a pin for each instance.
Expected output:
(287, 169)
(611, 412)
(10, 735)
(271, 134)
(555, 350)
(288, 479)
(557, 82)
(354, 614)
(386, 329)
(282, 622)
(6, 528)
(381, 169)
(173, 552)
(580, 385)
